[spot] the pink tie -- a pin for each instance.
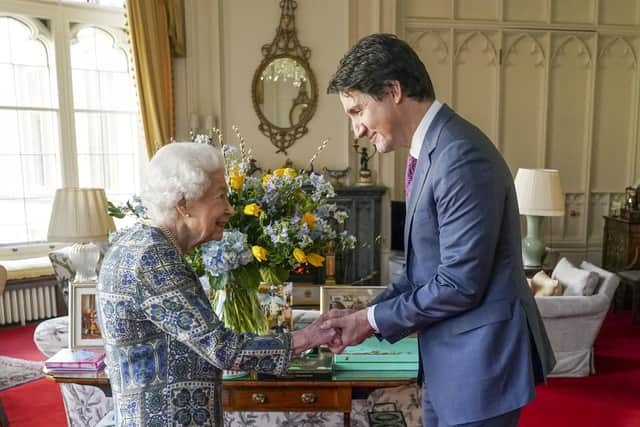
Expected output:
(408, 176)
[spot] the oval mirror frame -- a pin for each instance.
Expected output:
(285, 45)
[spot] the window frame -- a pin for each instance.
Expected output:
(65, 20)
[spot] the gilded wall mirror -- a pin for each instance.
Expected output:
(284, 90)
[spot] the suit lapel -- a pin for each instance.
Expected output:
(422, 168)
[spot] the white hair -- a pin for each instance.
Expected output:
(177, 171)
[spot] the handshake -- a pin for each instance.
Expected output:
(336, 328)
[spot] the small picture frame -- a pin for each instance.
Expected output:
(84, 330)
(346, 296)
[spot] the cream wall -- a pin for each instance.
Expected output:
(224, 38)
(554, 83)
(228, 46)
(547, 107)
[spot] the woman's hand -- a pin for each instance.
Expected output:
(312, 336)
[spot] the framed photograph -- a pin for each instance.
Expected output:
(84, 330)
(346, 296)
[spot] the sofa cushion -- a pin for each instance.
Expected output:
(608, 281)
(27, 268)
(545, 285)
(575, 281)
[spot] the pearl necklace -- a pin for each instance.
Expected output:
(169, 235)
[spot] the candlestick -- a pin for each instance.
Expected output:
(194, 121)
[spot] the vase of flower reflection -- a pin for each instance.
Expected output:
(275, 299)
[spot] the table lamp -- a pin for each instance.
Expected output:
(539, 195)
(79, 215)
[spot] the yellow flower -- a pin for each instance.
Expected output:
(279, 172)
(259, 253)
(290, 172)
(236, 180)
(315, 259)
(265, 179)
(252, 209)
(299, 255)
(310, 219)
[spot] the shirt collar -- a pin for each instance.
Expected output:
(423, 127)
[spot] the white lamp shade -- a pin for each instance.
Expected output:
(79, 215)
(539, 192)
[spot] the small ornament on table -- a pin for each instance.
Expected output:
(630, 198)
(330, 264)
(336, 175)
(364, 175)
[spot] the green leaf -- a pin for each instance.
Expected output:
(217, 282)
(114, 211)
(274, 274)
(247, 277)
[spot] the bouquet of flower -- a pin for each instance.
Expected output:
(282, 220)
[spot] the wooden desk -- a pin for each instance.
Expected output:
(250, 394)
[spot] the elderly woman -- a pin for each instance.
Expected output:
(165, 346)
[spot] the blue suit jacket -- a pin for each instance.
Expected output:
(482, 343)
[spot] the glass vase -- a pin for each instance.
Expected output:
(240, 310)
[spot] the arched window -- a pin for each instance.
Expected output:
(106, 113)
(68, 111)
(29, 153)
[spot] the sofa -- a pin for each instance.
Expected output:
(573, 323)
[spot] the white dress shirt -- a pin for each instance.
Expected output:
(416, 145)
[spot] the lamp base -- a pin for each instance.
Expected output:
(533, 248)
(84, 259)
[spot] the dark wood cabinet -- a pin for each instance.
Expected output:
(620, 242)
(364, 205)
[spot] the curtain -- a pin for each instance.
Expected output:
(149, 36)
(175, 16)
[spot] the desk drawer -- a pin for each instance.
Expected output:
(292, 398)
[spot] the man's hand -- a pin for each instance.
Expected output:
(312, 336)
(353, 328)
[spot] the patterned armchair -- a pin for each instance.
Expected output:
(84, 405)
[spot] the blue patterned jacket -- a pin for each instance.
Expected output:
(165, 346)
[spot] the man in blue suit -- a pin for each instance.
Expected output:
(482, 343)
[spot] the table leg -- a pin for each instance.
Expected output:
(4, 421)
(347, 419)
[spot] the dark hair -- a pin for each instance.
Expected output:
(377, 60)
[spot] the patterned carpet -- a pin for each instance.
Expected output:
(14, 372)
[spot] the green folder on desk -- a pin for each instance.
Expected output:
(375, 355)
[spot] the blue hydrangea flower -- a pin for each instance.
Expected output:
(220, 257)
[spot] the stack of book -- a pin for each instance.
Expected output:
(375, 355)
(76, 360)
(314, 365)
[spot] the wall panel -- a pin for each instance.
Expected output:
(523, 101)
(619, 12)
(615, 96)
(573, 11)
(475, 78)
(476, 9)
(569, 98)
(434, 50)
(525, 10)
(430, 8)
